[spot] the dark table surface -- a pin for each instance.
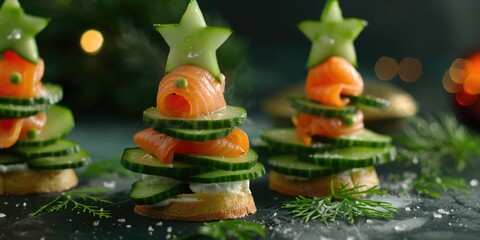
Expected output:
(454, 216)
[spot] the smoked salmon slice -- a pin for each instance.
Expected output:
(327, 81)
(307, 125)
(232, 145)
(30, 74)
(164, 147)
(190, 91)
(9, 131)
(157, 144)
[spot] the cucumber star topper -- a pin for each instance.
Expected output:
(193, 42)
(332, 35)
(18, 30)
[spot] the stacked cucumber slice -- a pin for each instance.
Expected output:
(47, 150)
(188, 168)
(328, 155)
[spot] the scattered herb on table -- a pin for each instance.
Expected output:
(71, 199)
(229, 229)
(433, 186)
(341, 204)
(441, 147)
(107, 167)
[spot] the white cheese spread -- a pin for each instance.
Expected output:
(13, 167)
(167, 202)
(238, 187)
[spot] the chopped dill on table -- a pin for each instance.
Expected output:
(228, 229)
(75, 200)
(341, 204)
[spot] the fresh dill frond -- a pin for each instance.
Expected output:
(439, 143)
(441, 147)
(342, 203)
(229, 229)
(70, 199)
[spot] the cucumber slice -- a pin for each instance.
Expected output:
(290, 165)
(194, 134)
(228, 117)
(219, 176)
(368, 101)
(145, 193)
(318, 109)
(8, 110)
(364, 138)
(286, 140)
(246, 161)
(7, 159)
(140, 161)
(62, 162)
(59, 148)
(25, 107)
(53, 94)
(354, 157)
(59, 124)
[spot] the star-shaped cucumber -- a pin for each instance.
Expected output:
(332, 35)
(18, 30)
(193, 42)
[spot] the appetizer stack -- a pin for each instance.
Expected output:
(329, 144)
(34, 156)
(196, 162)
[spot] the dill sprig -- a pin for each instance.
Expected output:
(70, 198)
(342, 203)
(229, 229)
(438, 143)
(441, 147)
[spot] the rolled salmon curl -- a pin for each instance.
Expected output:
(164, 147)
(233, 145)
(33, 125)
(327, 81)
(157, 144)
(307, 125)
(9, 131)
(190, 91)
(20, 78)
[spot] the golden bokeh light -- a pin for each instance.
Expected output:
(473, 64)
(457, 74)
(91, 41)
(463, 79)
(472, 84)
(410, 69)
(459, 63)
(448, 84)
(386, 68)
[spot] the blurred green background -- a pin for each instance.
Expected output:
(265, 54)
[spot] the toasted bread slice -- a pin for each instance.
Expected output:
(320, 186)
(33, 181)
(202, 207)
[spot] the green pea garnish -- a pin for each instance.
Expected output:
(32, 133)
(348, 120)
(15, 78)
(181, 83)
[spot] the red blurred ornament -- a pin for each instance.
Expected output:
(467, 98)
